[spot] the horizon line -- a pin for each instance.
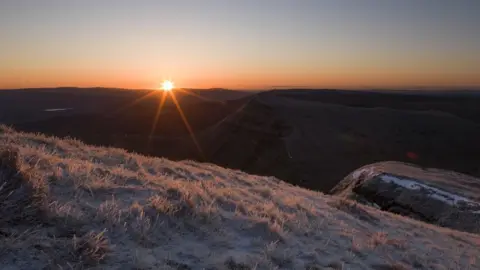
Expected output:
(271, 88)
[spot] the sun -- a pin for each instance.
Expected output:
(167, 86)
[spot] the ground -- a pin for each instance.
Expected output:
(74, 206)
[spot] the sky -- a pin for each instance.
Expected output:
(247, 44)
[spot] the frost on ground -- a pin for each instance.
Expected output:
(66, 205)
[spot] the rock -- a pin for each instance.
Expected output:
(439, 197)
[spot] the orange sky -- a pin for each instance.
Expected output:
(246, 80)
(241, 45)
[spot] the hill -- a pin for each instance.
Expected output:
(299, 135)
(67, 205)
(295, 135)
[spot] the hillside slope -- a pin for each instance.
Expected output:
(66, 205)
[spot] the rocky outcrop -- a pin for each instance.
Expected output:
(443, 198)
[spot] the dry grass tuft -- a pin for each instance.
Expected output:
(354, 209)
(164, 206)
(6, 129)
(89, 249)
(378, 239)
(22, 197)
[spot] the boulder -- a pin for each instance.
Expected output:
(439, 197)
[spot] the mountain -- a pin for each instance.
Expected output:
(314, 138)
(310, 138)
(68, 205)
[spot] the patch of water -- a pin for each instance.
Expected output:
(57, 109)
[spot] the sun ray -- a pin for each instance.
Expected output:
(157, 115)
(187, 125)
(136, 101)
(167, 88)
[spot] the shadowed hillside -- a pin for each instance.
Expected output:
(302, 139)
(307, 137)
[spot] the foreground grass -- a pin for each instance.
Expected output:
(66, 205)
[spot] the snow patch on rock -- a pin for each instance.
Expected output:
(433, 192)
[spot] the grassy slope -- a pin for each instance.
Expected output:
(82, 206)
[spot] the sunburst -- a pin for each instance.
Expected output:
(168, 86)
(169, 89)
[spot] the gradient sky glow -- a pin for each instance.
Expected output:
(240, 43)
